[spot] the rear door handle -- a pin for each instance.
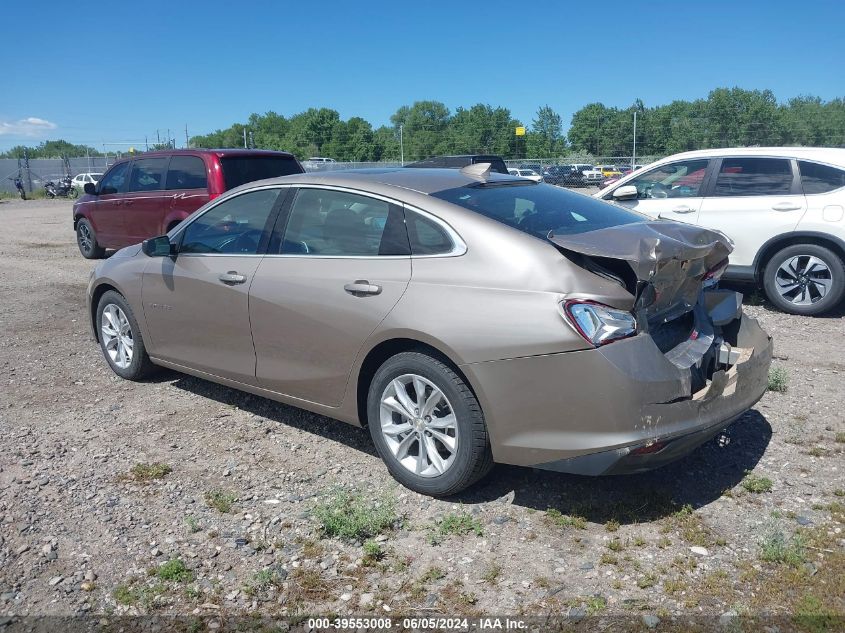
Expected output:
(683, 209)
(232, 277)
(362, 287)
(786, 206)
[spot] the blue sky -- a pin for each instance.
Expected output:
(121, 70)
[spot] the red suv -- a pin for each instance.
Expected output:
(147, 195)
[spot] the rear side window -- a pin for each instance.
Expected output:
(238, 170)
(187, 172)
(426, 237)
(115, 180)
(325, 222)
(817, 178)
(539, 209)
(147, 174)
(754, 177)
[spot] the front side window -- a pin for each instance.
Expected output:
(115, 180)
(236, 226)
(147, 174)
(682, 179)
(538, 209)
(325, 222)
(816, 178)
(187, 172)
(754, 177)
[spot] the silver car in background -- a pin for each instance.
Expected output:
(465, 317)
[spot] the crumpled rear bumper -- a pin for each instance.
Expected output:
(588, 412)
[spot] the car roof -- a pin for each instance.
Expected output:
(215, 152)
(426, 181)
(825, 154)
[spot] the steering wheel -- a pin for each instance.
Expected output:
(246, 242)
(657, 190)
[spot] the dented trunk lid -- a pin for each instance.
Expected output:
(667, 261)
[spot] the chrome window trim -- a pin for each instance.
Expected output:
(459, 247)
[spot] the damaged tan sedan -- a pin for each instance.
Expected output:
(465, 317)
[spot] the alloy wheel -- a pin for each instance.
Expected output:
(803, 279)
(419, 425)
(86, 240)
(117, 336)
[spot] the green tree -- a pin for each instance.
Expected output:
(546, 139)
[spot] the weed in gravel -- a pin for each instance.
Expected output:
(458, 524)
(775, 547)
(756, 484)
(220, 500)
(458, 600)
(818, 451)
(542, 582)
(649, 580)
(684, 563)
(663, 542)
(615, 545)
(673, 586)
(491, 573)
(307, 585)
(608, 559)
(143, 596)
(310, 547)
(778, 379)
(419, 588)
(596, 604)
(174, 570)
(840, 437)
(373, 552)
(143, 472)
(812, 616)
(261, 581)
(612, 525)
(690, 526)
(565, 520)
(192, 524)
(353, 517)
(639, 541)
(839, 492)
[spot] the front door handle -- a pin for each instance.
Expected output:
(786, 206)
(362, 287)
(232, 277)
(683, 209)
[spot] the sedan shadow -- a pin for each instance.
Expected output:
(696, 480)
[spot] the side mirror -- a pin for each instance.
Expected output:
(90, 188)
(625, 192)
(158, 247)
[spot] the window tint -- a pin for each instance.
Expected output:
(187, 172)
(240, 169)
(538, 209)
(114, 180)
(426, 237)
(325, 222)
(235, 226)
(147, 174)
(674, 180)
(817, 178)
(754, 177)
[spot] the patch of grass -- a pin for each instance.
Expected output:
(458, 524)
(565, 520)
(261, 581)
(818, 451)
(142, 596)
(685, 563)
(608, 559)
(491, 573)
(812, 615)
(123, 594)
(351, 516)
(612, 525)
(778, 379)
(373, 552)
(542, 582)
(673, 586)
(310, 547)
(434, 573)
(192, 524)
(756, 484)
(649, 580)
(596, 604)
(175, 571)
(775, 547)
(690, 526)
(220, 500)
(143, 472)
(615, 545)
(307, 585)
(639, 541)
(839, 492)
(839, 438)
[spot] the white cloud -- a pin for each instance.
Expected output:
(30, 126)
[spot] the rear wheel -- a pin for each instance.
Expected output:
(805, 279)
(86, 239)
(73, 193)
(427, 425)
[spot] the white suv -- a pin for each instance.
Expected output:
(783, 207)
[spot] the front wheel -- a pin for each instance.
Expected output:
(50, 194)
(804, 279)
(427, 425)
(120, 338)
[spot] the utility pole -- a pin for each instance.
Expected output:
(401, 145)
(244, 138)
(158, 138)
(634, 156)
(146, 144)
(187, 142)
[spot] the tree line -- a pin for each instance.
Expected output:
(726, 117)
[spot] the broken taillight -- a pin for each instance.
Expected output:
(597, 323)
(711, 277)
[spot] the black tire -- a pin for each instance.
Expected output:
(140, 365)
(820, 304)
(86, 240)
(473, 457)
(73, 194)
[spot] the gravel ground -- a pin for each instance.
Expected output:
(178, 496)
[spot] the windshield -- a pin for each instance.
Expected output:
(538, 209)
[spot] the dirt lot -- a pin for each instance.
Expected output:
(177, 496)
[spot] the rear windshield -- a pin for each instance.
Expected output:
(539, 209)
(238, 170)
